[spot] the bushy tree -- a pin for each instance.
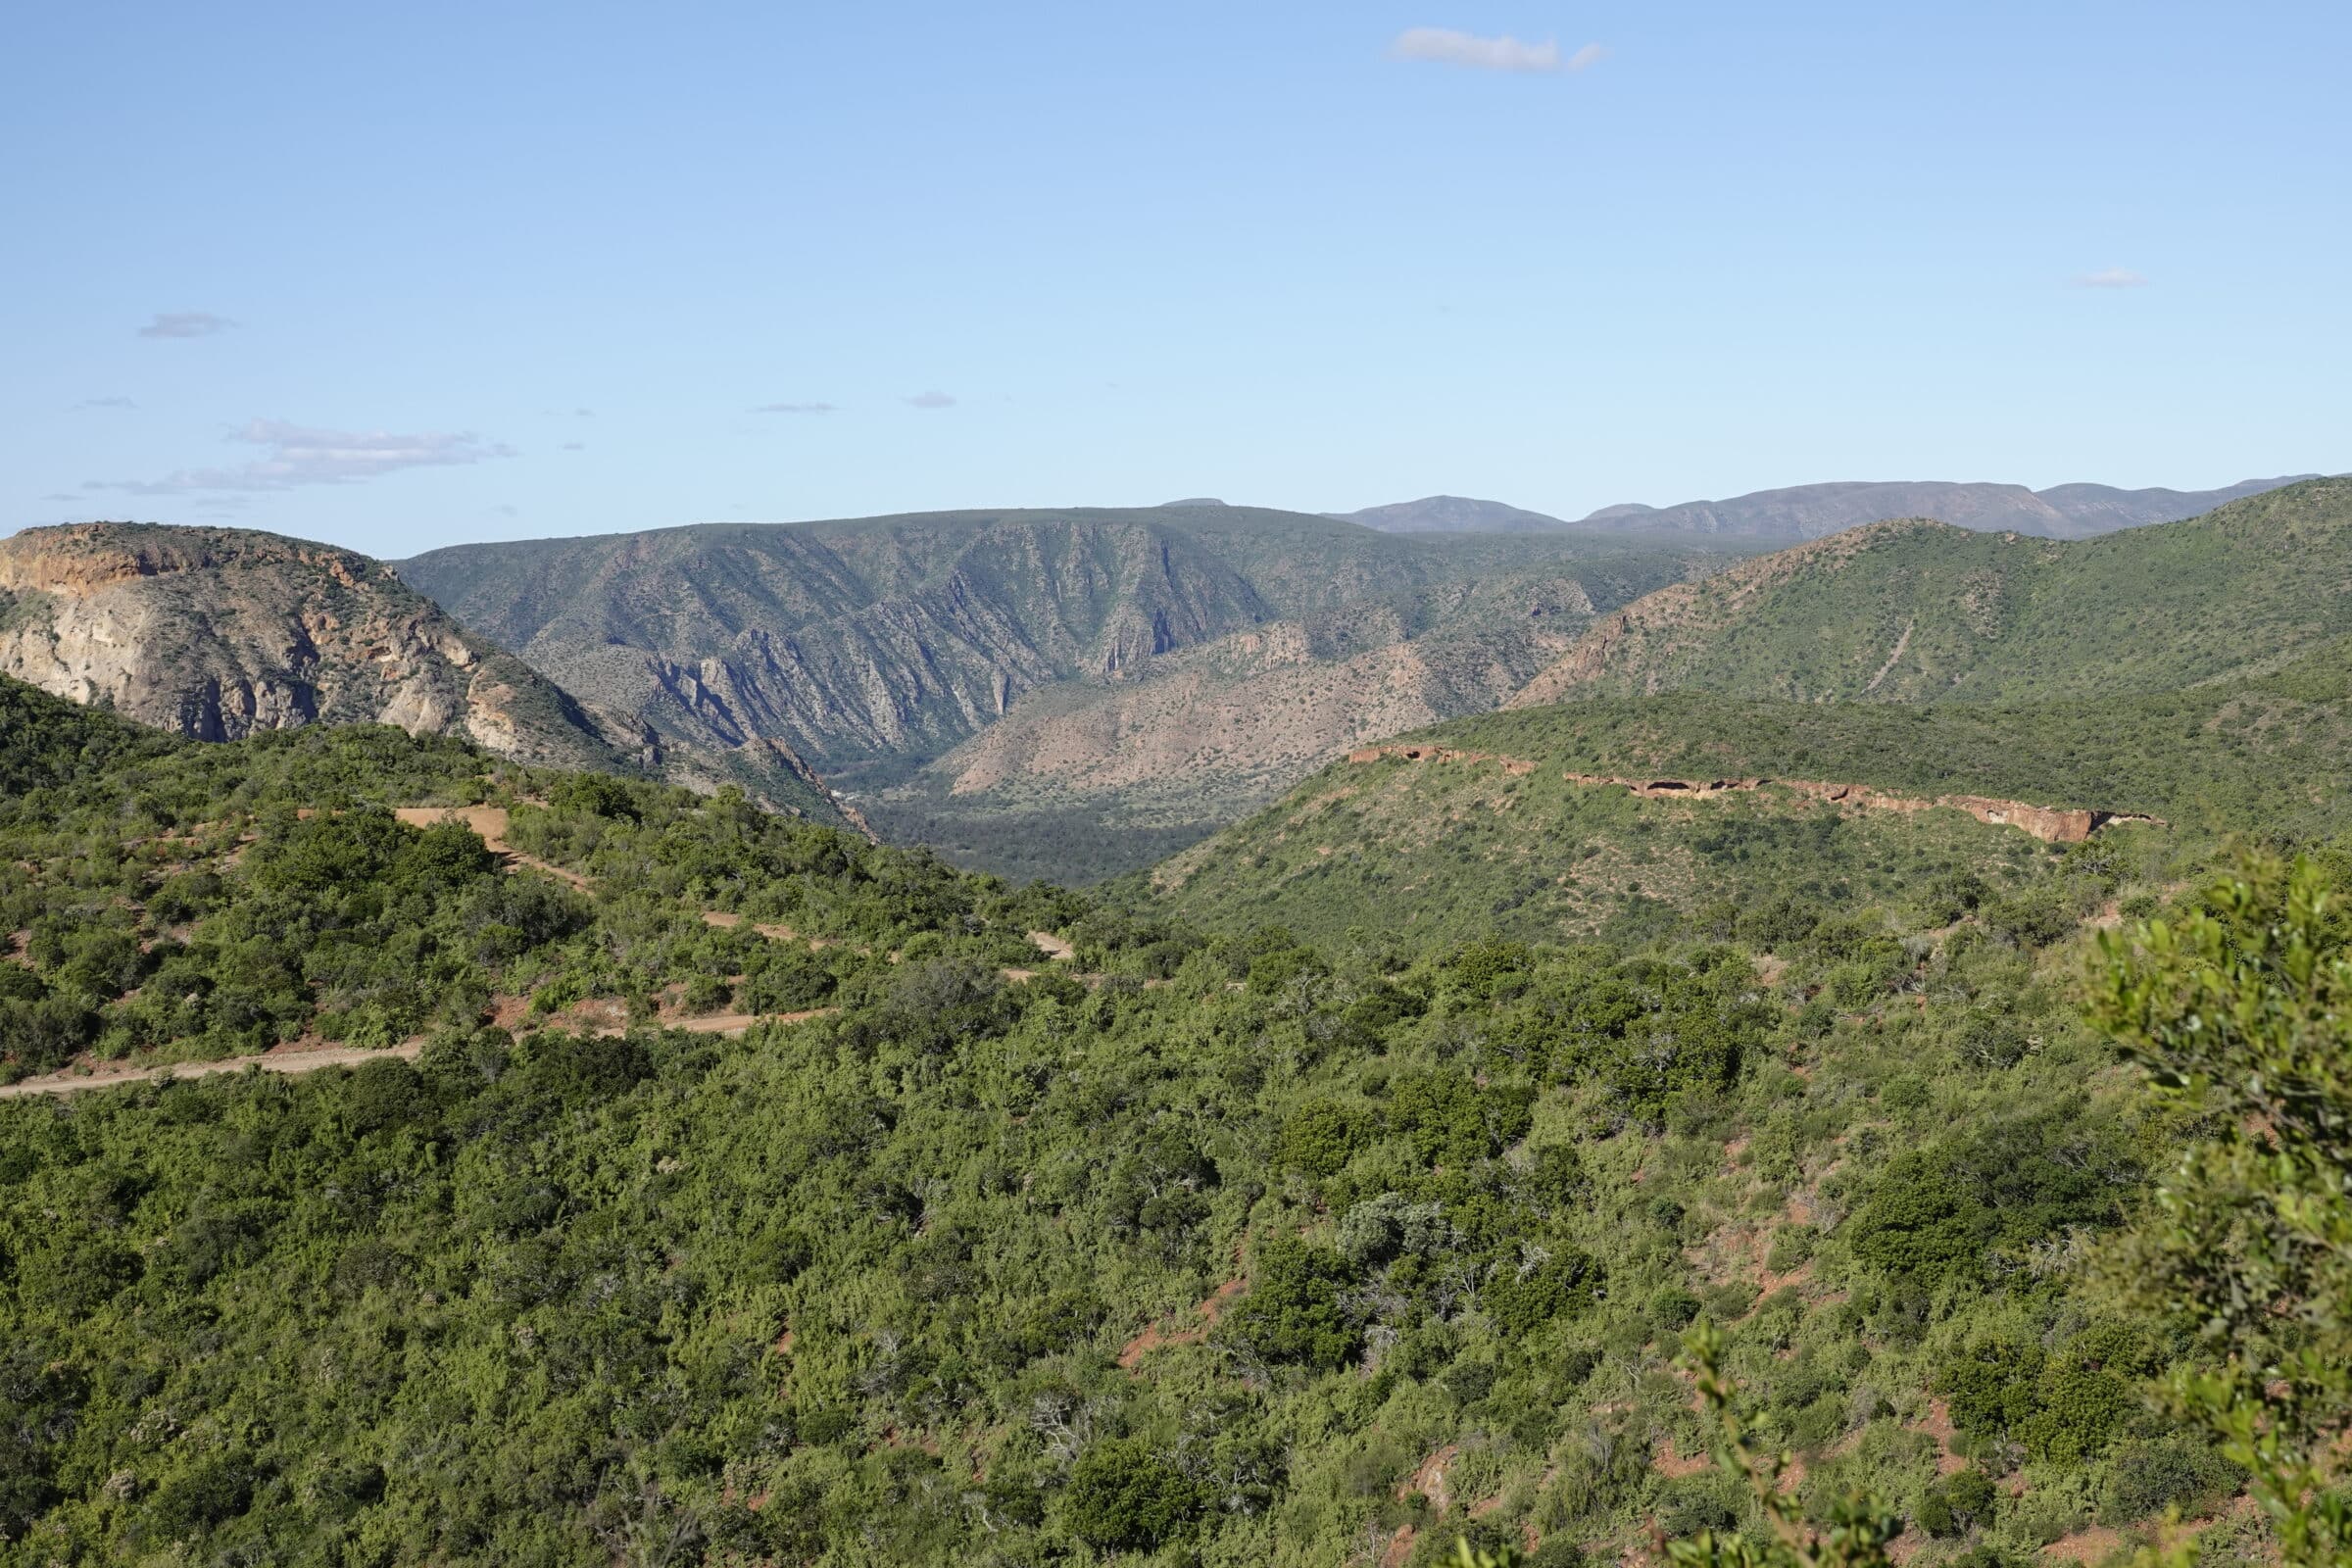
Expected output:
(2240, 1010)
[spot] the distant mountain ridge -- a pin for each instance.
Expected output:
(875, 647)
(1813, 511)
(1451, 514)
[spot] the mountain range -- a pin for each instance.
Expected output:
(1809, 512)
(1060, 691)
(410, 1153)
(1080, 693)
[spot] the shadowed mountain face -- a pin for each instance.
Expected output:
(1925, 611)
(1193, 657)
(216, 633)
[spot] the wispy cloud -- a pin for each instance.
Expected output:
(2111, 277)
(797, 408)
(576, 446)
(185, 323)
(296, 454)
(58, 495)
(931, 400)
(1445, 46)
(106, 403)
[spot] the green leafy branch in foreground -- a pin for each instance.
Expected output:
(1858, 1527)
(1854, 1536)
(2240, 1011)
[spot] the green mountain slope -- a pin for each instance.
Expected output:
(1919, 611)
(714, 1186)
(1509, 840)
(874, 647)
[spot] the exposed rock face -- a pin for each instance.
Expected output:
(1168, 667)
(2050, 824)
(217, 633)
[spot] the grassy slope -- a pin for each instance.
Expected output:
(1460, 845)
(1990, 617)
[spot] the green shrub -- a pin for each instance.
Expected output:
(1124, 1498)
(2149, 1475)
(1292, 1313)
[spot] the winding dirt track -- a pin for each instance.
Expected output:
(489, 824)
(282, 1059)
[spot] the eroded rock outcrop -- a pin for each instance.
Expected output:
(217, 633)
(2050, 824)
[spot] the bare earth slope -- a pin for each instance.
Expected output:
(1923, 611)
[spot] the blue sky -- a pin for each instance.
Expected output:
(402, 277)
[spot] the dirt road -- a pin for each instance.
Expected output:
(280, 1059)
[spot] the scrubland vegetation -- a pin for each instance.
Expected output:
(1220, 1246)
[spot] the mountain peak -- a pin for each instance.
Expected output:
(1450, 514)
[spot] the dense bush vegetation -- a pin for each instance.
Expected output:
(1233, 1249)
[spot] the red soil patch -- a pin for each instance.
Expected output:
(1673, 1466)
(1429, 1480)
(1938, 1425)
(1152, 1339)
(2084, 1545)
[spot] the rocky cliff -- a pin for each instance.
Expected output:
(215, 633)
(1157, 666)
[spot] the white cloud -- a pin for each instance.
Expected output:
(1590, 55)
(1447, 47)
(931, 400)
(576, 446)
(185, 323)
(2111, 277)
(297, 455)
(797, 408)
(106, 403)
